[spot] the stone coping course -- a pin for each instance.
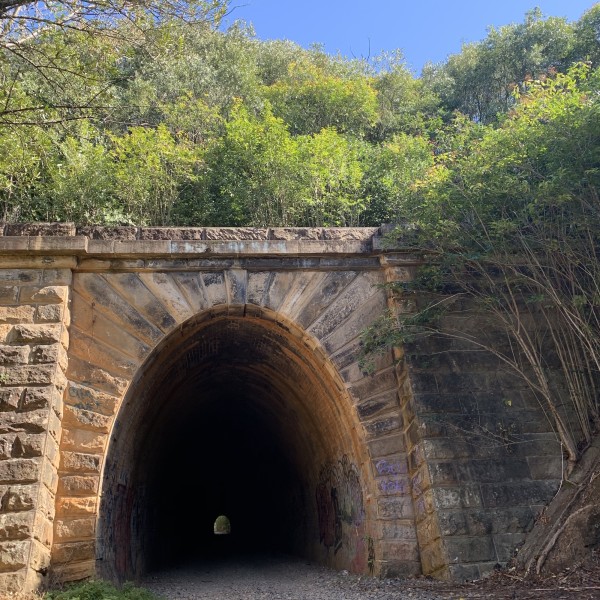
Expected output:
(56, 239)
(127, 233)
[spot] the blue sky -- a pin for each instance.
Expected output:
(426, 30)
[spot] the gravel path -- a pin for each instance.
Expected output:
(279, 578)
(284, 578)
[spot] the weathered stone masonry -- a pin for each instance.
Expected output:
(122, 346)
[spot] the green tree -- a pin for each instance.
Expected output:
(393, 171)
(310, 99)
(69, 80)
(253, 174)
(23, 156)
(151, 172)
(333, 176)
(405, 104)
(200, 67)
(274, 57)
(80, 180)
(66, 49)
(479, 81)
(586, 45)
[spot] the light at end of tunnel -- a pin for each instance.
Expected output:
(222, 525)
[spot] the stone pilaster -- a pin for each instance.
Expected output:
(395, 472)
(34, 319)
(482, 458)
(400, 268)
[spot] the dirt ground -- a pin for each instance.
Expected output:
(284, 578)
(281, 578)
(581, 582)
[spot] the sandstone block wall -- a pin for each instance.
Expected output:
(34, 320)
(483, 457)
(83, 310)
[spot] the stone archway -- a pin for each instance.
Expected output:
(88, 315)
(134, 328)
(237, 414)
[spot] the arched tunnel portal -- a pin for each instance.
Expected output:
(155, 378)
(238, 415)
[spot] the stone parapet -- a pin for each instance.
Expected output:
(96, 232)
(65, 239)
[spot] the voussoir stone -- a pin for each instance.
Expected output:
(80, 462)
(86, 398)
(72, 552)
(78, 485)
(83, 440)
(77, 528)
(76, 505)
(86, 419)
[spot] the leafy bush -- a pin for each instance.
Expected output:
(100, 590)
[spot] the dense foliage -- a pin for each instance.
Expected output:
(143, 115)
(144, 112)
(508, 220)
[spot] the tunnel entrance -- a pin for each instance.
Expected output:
(225, 456)
(242, 416)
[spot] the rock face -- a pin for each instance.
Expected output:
(153, 379)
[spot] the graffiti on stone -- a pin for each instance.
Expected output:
(339, 501)
(371, 555)
(418, 483)
(390, 467)
(392, 486)
(122, 528)
(330, 524)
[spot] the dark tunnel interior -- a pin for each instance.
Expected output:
(228, 459)
(233, 418)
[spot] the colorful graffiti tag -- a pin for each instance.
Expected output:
(339, 502)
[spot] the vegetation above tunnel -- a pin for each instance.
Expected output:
(161, 119)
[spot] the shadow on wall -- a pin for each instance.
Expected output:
(342, 514)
